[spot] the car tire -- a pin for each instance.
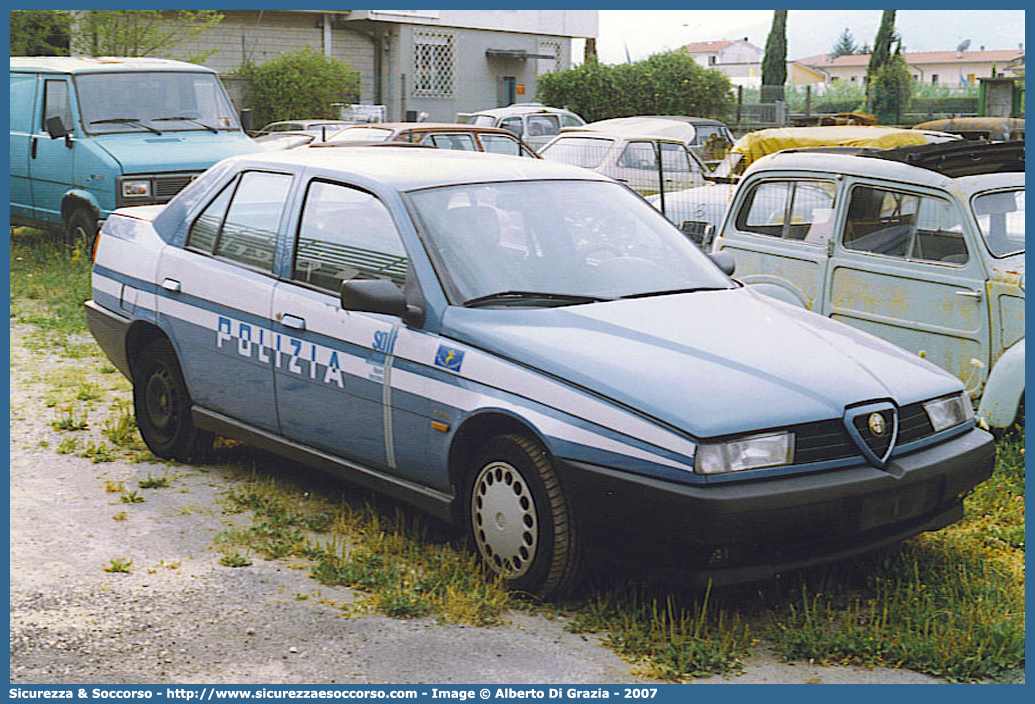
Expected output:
(520, 519)
(81, 227)
(162, 406)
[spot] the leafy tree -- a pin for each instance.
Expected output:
(39, 32)
(299, 86)
(845, 46)
(774, 64)
(142, 32)
(671, 83)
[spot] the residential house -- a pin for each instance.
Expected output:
(950, 68)
(737, 59)
(437, 62)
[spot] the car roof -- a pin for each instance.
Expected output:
(520, 109)
(640, 126)
(310, 122)
(101, 64)
(928, 164)
(407, 169)
(433, 127)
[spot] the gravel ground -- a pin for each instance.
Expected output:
(180, 617)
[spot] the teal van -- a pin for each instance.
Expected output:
(89, 135)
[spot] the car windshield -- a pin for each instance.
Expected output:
(141, 101)
(586, 152)
(1000, 215)
(552, 243)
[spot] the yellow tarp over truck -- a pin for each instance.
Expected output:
(755, 145)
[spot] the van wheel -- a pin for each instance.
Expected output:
(520, 519)
(162, 406)
(81, 227)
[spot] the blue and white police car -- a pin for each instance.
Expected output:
(531, 351)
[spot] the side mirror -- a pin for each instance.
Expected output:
(247, 120)
(56, 127)
(378, 296)
(725, 261)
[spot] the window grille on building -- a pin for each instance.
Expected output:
(547, 65)
(433, 59)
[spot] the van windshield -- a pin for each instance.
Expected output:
(142, 101)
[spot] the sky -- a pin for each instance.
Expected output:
(809, 32)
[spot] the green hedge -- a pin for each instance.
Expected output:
(299, 86)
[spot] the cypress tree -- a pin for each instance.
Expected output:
(774, 64)
(881, 53)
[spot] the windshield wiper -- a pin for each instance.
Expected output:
(187, 119)
(673, 291)
(532, 298)
(125, 121)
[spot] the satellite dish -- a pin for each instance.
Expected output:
(964, 45)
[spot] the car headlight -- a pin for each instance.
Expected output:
(752, 452)
(136, 189)
(949, 411)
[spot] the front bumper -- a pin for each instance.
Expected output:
(748, 531)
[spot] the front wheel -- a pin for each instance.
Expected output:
(519, 517)
(81, 227)
(163, 405)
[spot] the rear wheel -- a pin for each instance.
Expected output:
(163, 406)
(519, 518)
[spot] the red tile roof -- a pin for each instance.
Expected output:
(914, 58)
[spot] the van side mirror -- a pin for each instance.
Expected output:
(56, 127)
(247, 120)
(725, 261)
(378, 296)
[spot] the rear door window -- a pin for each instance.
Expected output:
(241, 224)
(904, 225)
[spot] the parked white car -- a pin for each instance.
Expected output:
(535, 123)
(648, 154)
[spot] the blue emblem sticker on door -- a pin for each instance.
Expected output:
(449, 358)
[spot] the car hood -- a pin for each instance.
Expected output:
(709, 363)
(174, 151)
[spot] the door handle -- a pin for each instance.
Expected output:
(292, 321)
(34, 141)
(976, 295)
(171, 285)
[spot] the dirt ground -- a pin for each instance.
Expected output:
(181, 617)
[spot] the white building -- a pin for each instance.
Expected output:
(435, 61)
(737, 59)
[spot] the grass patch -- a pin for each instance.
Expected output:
(119, 565)
(949, 603)
(671, 637)
(46, 271)
(154, 482)
(70, 418)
